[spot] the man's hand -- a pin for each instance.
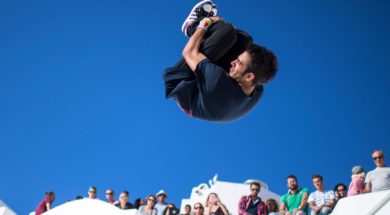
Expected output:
(205, 23)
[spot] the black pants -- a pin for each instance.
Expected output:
(222, 44)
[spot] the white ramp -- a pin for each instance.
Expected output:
(229, 193)
(5, 210)
(377, 203)
(88, 206)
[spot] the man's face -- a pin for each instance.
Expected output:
(240, 66)
(109, 194)
(255, 189)
(92, 194)
(317, 183)
(161, 198)
(378, 158)
(292, 184)
(198, 208)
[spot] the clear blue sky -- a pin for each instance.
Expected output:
(82, 99)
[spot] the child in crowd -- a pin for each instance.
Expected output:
(357, 184)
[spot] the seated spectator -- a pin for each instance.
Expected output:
(124, 204)
(198, 208)
(148, 209)
(161, 205)
(252, 204)
(139, 202)
(187, 210)
(45, 204)
(214, 206)
(79, 197)
(321, 201)
(379, 178)
(272, 207)
(294, 202)
(340, 191)
(357, 184)
(92, 192)
(110, 197)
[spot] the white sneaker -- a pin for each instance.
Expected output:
(199, 11)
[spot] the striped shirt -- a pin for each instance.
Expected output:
(321, 198)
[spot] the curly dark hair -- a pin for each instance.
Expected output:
(264, 63)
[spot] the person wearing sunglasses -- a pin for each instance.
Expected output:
(92, 191)
(148, 209)
(379, 178)
(110, 197)
(294, 202)
(198, 209)
(252, 204)
(340, 191)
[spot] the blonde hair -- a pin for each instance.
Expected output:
(208, 197)
(361, 175)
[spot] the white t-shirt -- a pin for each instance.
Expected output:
(321, 198)
(160, 208)
(379, 178)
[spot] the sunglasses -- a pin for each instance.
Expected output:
(152, 200)
(377, 158)
(341, 190)
(198, 208)
(91, 191)
(108, 193)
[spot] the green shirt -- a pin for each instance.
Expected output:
(293, 201)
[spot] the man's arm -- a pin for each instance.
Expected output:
(241, 207)
(191, 52)
(367, 189)
(305, 196)
(282, 208)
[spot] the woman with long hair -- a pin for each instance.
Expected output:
(214, 206)
(148, 209)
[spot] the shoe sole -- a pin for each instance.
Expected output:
(192, 10)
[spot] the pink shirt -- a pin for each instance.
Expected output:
(356, 186)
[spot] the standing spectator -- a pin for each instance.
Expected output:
(110, 196)
(357, 184)
(45, 204)
(123, 201)
(214, 205)
(321, 201)
(92, 192)
(340, 191)
(379, 178)
(148, 209)
(252, 204)
(161, 205)
(294, 202)
(187, 210)
(138, 203)
(272, 207)
(198, 208)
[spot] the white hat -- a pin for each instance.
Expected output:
(161, 192)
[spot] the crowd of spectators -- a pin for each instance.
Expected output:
(297, 200)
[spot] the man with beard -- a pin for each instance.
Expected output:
(294, 202)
